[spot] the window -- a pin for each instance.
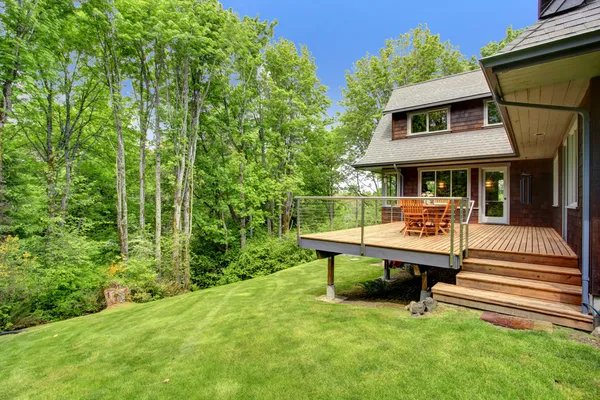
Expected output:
(492, 114)
(571, 163)
(555, 181)
(445, 183)
(391, 187)
(429, 121)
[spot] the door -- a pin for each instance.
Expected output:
(495, 195)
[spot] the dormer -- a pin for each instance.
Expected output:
(449, 118)
(453, 104)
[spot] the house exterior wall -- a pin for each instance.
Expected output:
(464, 116)
(539, 213)
(594, 107)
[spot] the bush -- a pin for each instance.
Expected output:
(264, 256)
(17, 272)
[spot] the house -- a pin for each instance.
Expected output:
(518, 141)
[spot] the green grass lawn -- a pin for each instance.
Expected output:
(269, 338)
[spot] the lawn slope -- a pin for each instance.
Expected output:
(269, 338)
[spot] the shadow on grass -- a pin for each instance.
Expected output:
(404, 287)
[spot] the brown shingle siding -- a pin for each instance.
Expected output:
(464, 116)
(540, 212)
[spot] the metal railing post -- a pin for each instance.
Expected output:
(362, 227)
(467, 240)
(331, 215)
(298, 219)
(452, 205)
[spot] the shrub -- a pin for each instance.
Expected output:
(263, 256)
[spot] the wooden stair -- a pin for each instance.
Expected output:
(538, 272)
(523, 285)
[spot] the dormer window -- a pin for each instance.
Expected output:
(492, 114)
(429, 121)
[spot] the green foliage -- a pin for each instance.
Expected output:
(494, 47)
(265, 256)
(415, 56)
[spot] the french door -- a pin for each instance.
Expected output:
(494, 204)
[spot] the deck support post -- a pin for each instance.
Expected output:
(386, 270)
(424, 285)
(330, 294)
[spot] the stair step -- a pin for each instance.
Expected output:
(550, 291)
(548, 273)
(544, 259)
(520, 306)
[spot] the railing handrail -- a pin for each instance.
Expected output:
(376, 198)
(458, 215)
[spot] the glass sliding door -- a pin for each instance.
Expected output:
(495, 195)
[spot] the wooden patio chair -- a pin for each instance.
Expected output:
(438, 218)
(415, 216)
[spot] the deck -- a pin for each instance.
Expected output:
(387, 242)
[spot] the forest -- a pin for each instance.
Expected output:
(158, 145)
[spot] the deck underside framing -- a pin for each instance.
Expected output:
(386, 241)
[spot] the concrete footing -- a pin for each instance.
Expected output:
(424, 294)
(330, 294)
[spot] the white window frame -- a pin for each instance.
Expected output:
(485, 114)
(399, 186)
(442, 168)
(571, 166)
(555, 181)
(426, 112)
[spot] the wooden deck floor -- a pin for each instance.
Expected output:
(514, 239)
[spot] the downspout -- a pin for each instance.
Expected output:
(586, 162)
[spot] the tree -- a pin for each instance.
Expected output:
(18, 24)
(494, 47)
(293, 106)
(104, 18)
(415, 56)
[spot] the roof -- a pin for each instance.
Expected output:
(577, 21)
(449, 89)
(482, 143)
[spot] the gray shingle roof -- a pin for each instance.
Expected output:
(444, 90)
(584, 19)
(483, 143)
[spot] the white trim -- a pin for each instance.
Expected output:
(399, 191)
(485, 114)
(409, 131)
(495, 220)
(571, 166)
(441, 168)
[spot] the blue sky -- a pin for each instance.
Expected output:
(340, 32)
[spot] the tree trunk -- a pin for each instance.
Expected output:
(5, 107)
(113, 76)
(157, 172)
(287, 214)
(243, 213)
(50, 160)
(180, 154)
(143, 133)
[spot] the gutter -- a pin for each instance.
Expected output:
(545, 52)
(586, 162)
